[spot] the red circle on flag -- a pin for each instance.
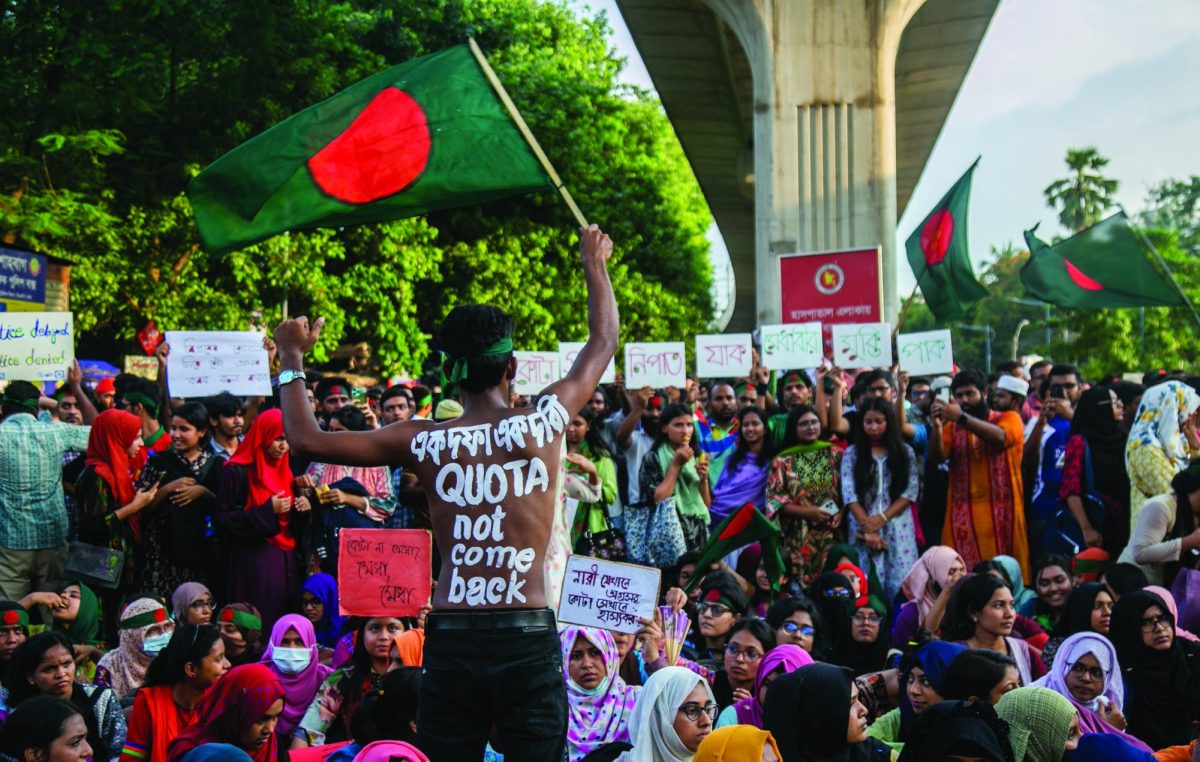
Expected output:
(936, 235)
(381, 153)
(11, 617)
(1081, 280)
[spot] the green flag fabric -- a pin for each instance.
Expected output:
(743, 527)
(1103, 266)
(938, 254)
(428, 134)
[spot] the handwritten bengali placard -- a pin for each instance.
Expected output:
(607, 594)
(36, 346)
(383, 572)
(535, 371)
(862, 345)
(204, 363)
(927, 353)
(791, 346)
(569, 350)
(723, 355)
(655, 364)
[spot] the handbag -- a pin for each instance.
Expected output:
(608, 543)
(1063, 533)
(94, 565)
(654, 534)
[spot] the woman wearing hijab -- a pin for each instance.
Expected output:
(922, 684)
(780, 660)
(1088, 674)
(390, 751)
(1162, 672)
(256, 514)
(1016, 581)
(1162, 442)
(844, 553)
(241, 628)
(408, 648)
(815, 715)
(145, 630)
(319, 605)
(952, 730)
(192, 603)
(834, 597)
(1089, 609)
(240, 709)
(1110, 748)
(1097, 442)
(599, 703)
(1169, 599)
(81, 618)
(292, 655)
(1041, 724)
(671, 717)
(738, 743)
(866, 649)
(926, 586)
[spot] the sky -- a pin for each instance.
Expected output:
(1048, 76)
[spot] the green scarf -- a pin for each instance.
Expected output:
(687, 485)
(85, 627)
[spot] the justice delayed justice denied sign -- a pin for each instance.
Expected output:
(833, 287)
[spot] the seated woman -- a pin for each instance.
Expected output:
(927, 587)
(599, 703)
(241, 628)
(750, 639)
(1089, 676)
(1023, 627)
(722, 602)
(866, 649)
(956, 730)
(738, 742)
(291, 654)
(815, 714)
(319, 605)
(922, 675)
(780, 660)
(1112, 748)
(387, 715)
(1165, 533)
(46, 728)
(1053, 580)
(672, 715)
(241, 709)
(192, 603)
(1089, 609)
(834, 596)
(796, 621)
(80, 621)
(192, 661)
(981, 615)
(979, 674)
(1041, 724)
(45, 666)
(145, 630)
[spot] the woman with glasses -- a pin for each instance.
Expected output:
(145, 630)
(749, 640)
(815, 714)
(922, 684)
(674, 713)
(796, 621)
(834, 596)
(722, 602)
(866, 649)
(1162, 672)
(779, 661)
(192, 603)
(319, 605)
(802, 494)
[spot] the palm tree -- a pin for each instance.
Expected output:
(1083, 198)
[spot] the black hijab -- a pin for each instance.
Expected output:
(1162, 688)
(863, 658)
(1093, 420)
(807, 713)
(964, 728)
(835, 614)
(1077, 614)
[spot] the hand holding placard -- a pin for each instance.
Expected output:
(655, 364)
(36, 346)
(607, 594)
(791, 346)
(926, 353)
(723, 355)
(383, 572)
(862, 345)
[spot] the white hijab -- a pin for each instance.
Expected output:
(652, 722)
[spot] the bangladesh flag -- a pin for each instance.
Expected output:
(938, 255)
(428, 134)
(1103, 266)
(743, 527)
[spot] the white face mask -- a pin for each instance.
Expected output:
(291, 661)
(153, 645)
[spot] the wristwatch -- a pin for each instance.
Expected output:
(288, 376)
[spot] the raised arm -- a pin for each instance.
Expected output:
(75, 384)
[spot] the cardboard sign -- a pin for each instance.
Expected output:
(36, 346)
(607, 594)
(724, 355)
(140, 365)
(204, 363)
(929, 353)
(788, 347)
(569, 350)
(862, 345)
(655, 364)
(535, 371)
(383, 572)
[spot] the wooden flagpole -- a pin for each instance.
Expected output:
(525, 131)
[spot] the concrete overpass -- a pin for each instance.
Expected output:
(807, 122)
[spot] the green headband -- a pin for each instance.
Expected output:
(15, 616)
(144, 619)
(242, 619)
(742, 388)
(30, 405)
(426, 400)
(144, 400)
(458, 372)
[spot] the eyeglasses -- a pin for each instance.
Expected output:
(200, 605)
(310, 603)
(712, 609)
(792, 628)
(692, 710)
(1080, 671)
(867, 619)
(1153, 623)
(919, 394)
(748, 654)
(808, 424)
(836, 592)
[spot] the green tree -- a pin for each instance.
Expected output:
(1175, 205)
(1084, 197)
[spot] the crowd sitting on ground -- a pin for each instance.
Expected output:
(998, 568)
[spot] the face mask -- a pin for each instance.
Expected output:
(291, 661)
(151, 646)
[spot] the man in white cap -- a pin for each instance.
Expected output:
(1009, 393)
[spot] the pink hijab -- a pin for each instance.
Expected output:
(601, 716)
(1169, 599)
(298, 689)
(934, 564)
(788, 657)
(385, 751)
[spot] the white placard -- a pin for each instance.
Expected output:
(36, 346)
(535, 371)
(792, 346)
(862, 345)
(569, 350)
(607, 594)
(928, 353)
(724, 355)
(204, 363)
(655, 364)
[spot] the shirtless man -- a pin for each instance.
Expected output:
(492, 657)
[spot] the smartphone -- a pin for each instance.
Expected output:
(358, 394)
(829, 508)
(1056, 392)
(943, 394)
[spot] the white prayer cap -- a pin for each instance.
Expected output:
(1013, 384)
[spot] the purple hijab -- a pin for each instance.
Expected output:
(298, 689)
(745, 483)
(600, 716)
(324, 588)
(789, 656)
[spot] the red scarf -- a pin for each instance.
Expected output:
(1000, 482)
(229, 708)
(267, 476)
(113, 433)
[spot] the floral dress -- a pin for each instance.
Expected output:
(319, 724)
(809, 473)
(900, 533)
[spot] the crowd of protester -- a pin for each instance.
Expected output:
(997, 568)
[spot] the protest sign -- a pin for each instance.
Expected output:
(36, 346)
(655, 364)
(204, 363)
(607, 594)
(141, 365)
(723, 355)
(788, 347)
(535, 371)
(383, 572)
(862, 345)
(928, 353)
(569, 350)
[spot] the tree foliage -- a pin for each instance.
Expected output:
(1083, 198)
(118, 103)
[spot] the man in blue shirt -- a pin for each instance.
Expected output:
(1046, 444)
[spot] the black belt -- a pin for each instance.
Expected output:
(529, 620)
